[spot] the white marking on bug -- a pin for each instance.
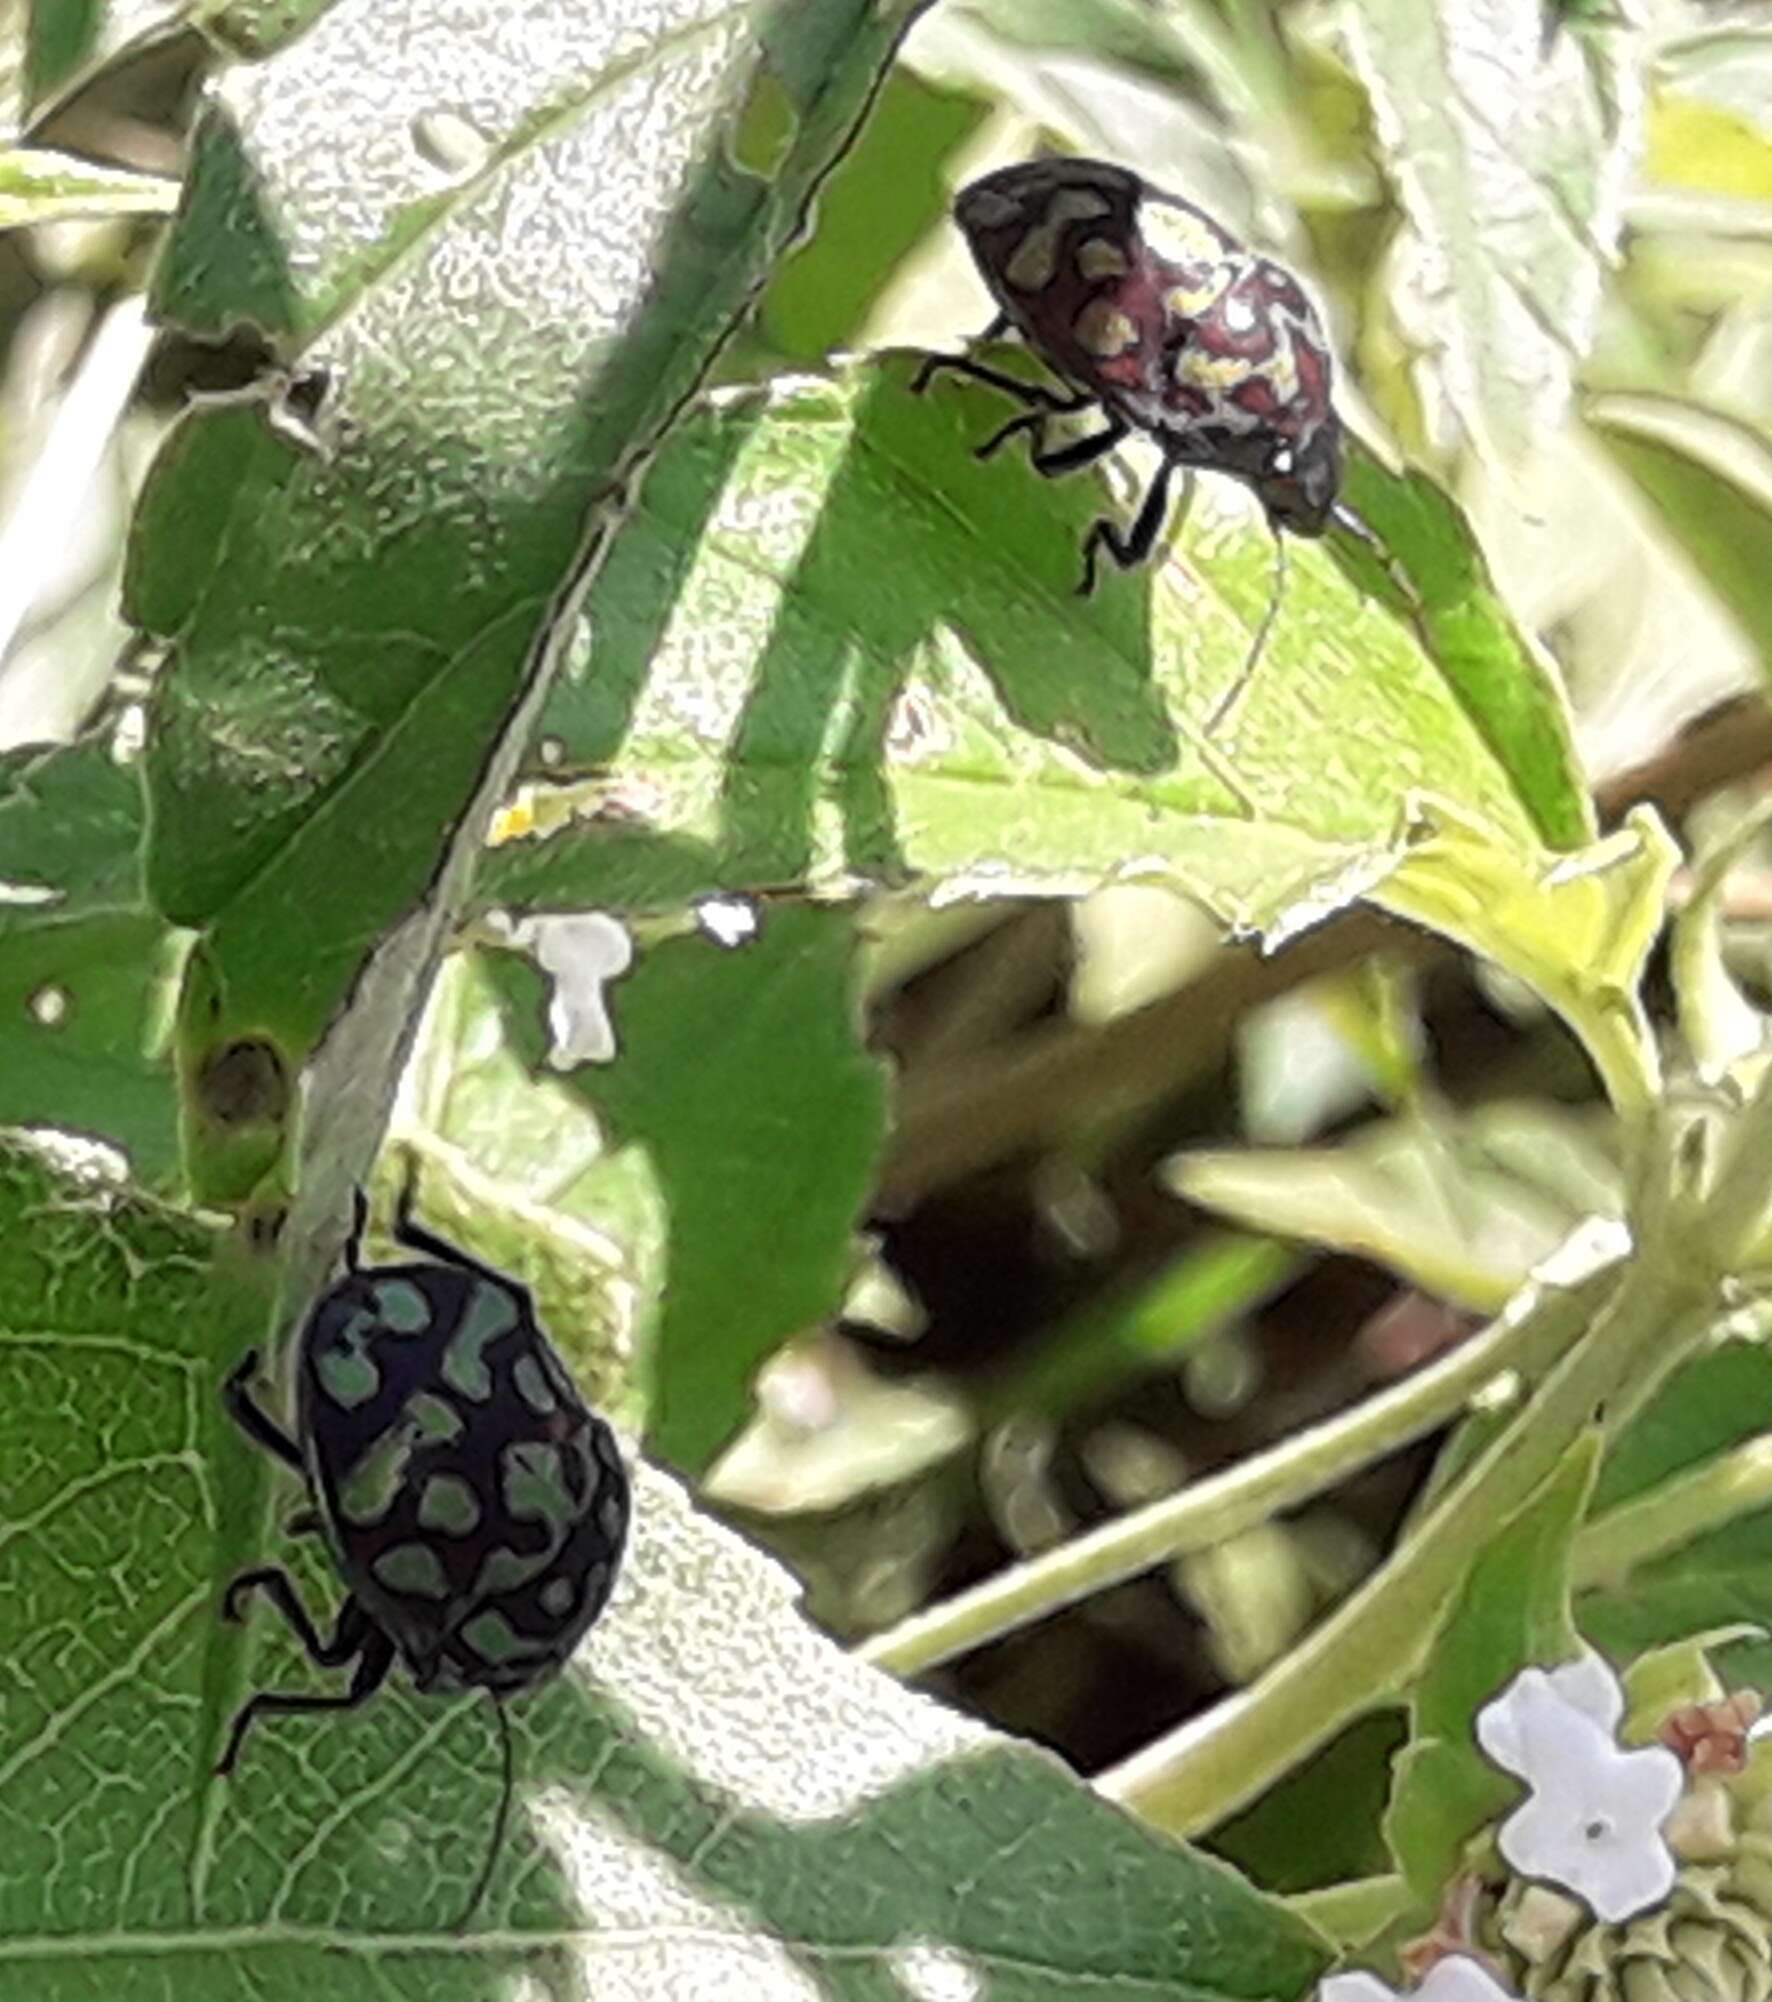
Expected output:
(559, 1596)
(1099, 257)
(412, 1570)
(1239, 313)
(1180, 236)
(1208, 372)
(1033, 264)
(490, 1313)
(449, 1505)
(1104, 331)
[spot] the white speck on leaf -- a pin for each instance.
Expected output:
(728, 921)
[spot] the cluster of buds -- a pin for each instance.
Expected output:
(1632, 1874)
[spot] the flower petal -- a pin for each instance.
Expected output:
(1458, 1978)
(1590, 1687)
(1355, 1988)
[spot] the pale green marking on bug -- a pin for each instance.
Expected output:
(503, 1570)
(449, 1505)
(435, 1420)
(412, 1570)
(533, 1386)
(558, 1596)
(490, 1313)
(402, 1306)
(493, 1638)
(373, 1484)
(344, 1367)
(533, 1479)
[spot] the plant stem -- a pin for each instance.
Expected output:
(1360, 1655)
(1672, 1514)
(1528, 1339)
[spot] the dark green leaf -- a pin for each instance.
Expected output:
(1513, 1612)
(742, 1073)
(359, 599)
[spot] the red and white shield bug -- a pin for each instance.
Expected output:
(1153, 313)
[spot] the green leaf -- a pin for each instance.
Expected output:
(63, 42)
(1576, 928)
(1512, 1613)
(1323, 1823)
(71, 824)
(955, 715)
(741, 1071)
(514, 1166)
(1709, 478)
(671, 1833)
(39, 186)
(1464, 1208)
(1508, 153)
(1495, 674)
(360, 600)
(1711, 1580)
(84, 964)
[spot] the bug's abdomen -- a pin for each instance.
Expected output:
(474, 1503)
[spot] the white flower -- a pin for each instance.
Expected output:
(1455, 1979)
(581, 952)
(1593, 1820)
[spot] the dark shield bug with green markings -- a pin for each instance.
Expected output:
(475, 1507)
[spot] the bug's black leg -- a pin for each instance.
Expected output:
(415, 1237)
(1033, 394)
(933, 364)
(1131, 550)
(1029, 420)
(373, 1662)
(348, 1632)
(1064, 459)
(259, 1426)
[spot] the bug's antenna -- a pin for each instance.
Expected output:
(498, 1826)
(1222, 708)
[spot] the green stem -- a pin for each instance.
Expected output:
(1360, 1655)
(1212, 1510)
(1671, 1515)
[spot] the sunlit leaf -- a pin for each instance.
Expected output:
(830, 645)
(672, 1834)
(1509, 155)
